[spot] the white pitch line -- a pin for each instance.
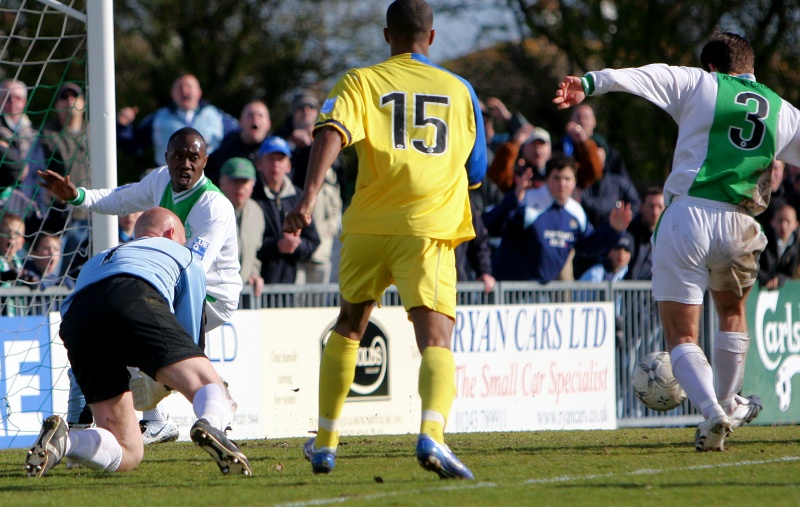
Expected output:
(654, 471)
(549, 480)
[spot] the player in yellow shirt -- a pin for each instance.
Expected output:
(418, 132)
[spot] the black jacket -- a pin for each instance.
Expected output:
(277, 267)
(783, 267)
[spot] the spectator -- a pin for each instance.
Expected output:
(642, 228)
(474, 257)
(187, 109)
(280, 252)
(65, 150)
(611, 191)
(12, 245)
(297, 130)
(532, 147)
(494, 109)
(616, 264)
(612, 269)
(529, 147)
(64, 136)
(607, 191)
(778, 195)
(780, 259)
(13, 200)
(327, 218)
(16, 128)
(12, 253)
(539, 227)
(237, 179)
(41, 268)
(584, 116)
(587, 153)
(126, 226)
(254, 125)
(18, 132)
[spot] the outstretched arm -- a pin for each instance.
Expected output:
(570, 92)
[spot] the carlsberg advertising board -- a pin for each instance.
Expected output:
(773, 361)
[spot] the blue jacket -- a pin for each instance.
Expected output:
(538, 234)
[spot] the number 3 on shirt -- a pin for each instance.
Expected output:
(754, 118)
(397, 100)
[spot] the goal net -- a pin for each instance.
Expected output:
(43, 126)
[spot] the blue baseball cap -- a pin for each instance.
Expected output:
(275, 144)
(625, 241)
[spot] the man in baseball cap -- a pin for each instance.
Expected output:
(237, 181)
(615, 265)
(280, 252)
(274, 144)
(69, 90)
(305, 99)
(238, 168)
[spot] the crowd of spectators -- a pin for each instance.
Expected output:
(550, 208)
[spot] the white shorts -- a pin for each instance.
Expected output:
(702, 244)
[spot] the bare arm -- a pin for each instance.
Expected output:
(324, 150)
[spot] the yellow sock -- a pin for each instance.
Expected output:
(437, 388)
(336, 372)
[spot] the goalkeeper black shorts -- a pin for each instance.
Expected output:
(118, 322)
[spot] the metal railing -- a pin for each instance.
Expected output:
(637, 322)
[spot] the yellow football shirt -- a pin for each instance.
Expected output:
(418, 132)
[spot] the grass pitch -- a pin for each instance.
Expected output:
(761, 466)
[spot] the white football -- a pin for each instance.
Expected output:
(654, 383)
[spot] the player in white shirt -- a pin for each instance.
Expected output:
(210, 223)
(729, 129)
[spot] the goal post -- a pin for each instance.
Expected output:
(102, 114)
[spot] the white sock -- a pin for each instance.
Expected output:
(213, 404)
(730, 352)
(694, 374)
(95, 448)
(155, 415)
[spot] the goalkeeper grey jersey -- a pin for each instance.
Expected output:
(172, 269)
(729, 129)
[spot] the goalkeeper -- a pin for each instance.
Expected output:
(151, 292)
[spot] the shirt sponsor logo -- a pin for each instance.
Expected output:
(327, 106)
(199, 247)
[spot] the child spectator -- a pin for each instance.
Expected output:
(616, 264)
(779, 261)
(41, 269)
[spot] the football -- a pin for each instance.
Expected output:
(654, 384)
